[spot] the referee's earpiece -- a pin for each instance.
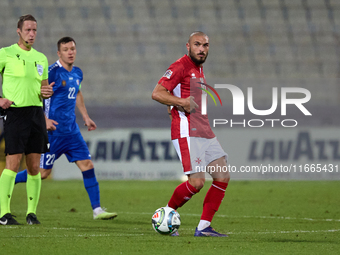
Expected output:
(22, 38)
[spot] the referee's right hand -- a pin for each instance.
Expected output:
(5, 103)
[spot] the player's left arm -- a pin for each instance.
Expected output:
(169, 110)
(81, 106)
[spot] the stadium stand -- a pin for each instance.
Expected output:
(125, 46)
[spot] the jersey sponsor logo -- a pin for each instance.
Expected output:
(40, 69)
(63, 83)
(167, 74)
(70, 78)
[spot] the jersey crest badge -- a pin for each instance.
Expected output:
(40, 69)
(167, 74)
(63, 83)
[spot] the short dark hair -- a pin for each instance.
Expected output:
(65, 39)
(24, 18)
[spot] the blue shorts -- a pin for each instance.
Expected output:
(73, 146)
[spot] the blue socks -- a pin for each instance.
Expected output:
(90, 183)
(92, 187)
(21, 176)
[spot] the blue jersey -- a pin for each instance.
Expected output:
(61, 106)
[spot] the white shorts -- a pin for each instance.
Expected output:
(196, 153)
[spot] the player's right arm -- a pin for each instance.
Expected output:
(168, 82)
(161, 95)
(50, 124)
(4, 102)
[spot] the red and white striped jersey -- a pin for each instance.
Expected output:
(177, 81)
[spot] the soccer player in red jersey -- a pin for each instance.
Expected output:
(195, 142)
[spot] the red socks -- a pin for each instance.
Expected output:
(182, 194)
(213, 199)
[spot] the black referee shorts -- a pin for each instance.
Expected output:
(25, 130)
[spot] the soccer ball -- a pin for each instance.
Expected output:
(166, 220)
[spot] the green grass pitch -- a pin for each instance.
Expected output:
(261, 217)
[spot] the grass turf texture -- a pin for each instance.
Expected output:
(261, 217)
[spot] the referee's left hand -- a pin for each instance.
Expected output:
(46, 89)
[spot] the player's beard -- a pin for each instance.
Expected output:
(197, 61)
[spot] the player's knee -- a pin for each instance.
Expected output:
(197, 183)
(226, 180)
(89, 164)
(222, 177)
(85, 165)
(44, 175)
(226, 177)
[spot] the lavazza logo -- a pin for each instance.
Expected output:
(239, 105)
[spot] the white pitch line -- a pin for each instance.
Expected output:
(41, 227)
(79, 235)
(278, 217)
(286, 232)
(245, 216)
(62, 228)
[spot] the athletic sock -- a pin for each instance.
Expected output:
(33, 187)
(213, 200)
(21, 176)
(92, 187)
(6, 190)
(203, 224)
(182, 194)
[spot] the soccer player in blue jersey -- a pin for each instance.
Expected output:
(64, 134)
